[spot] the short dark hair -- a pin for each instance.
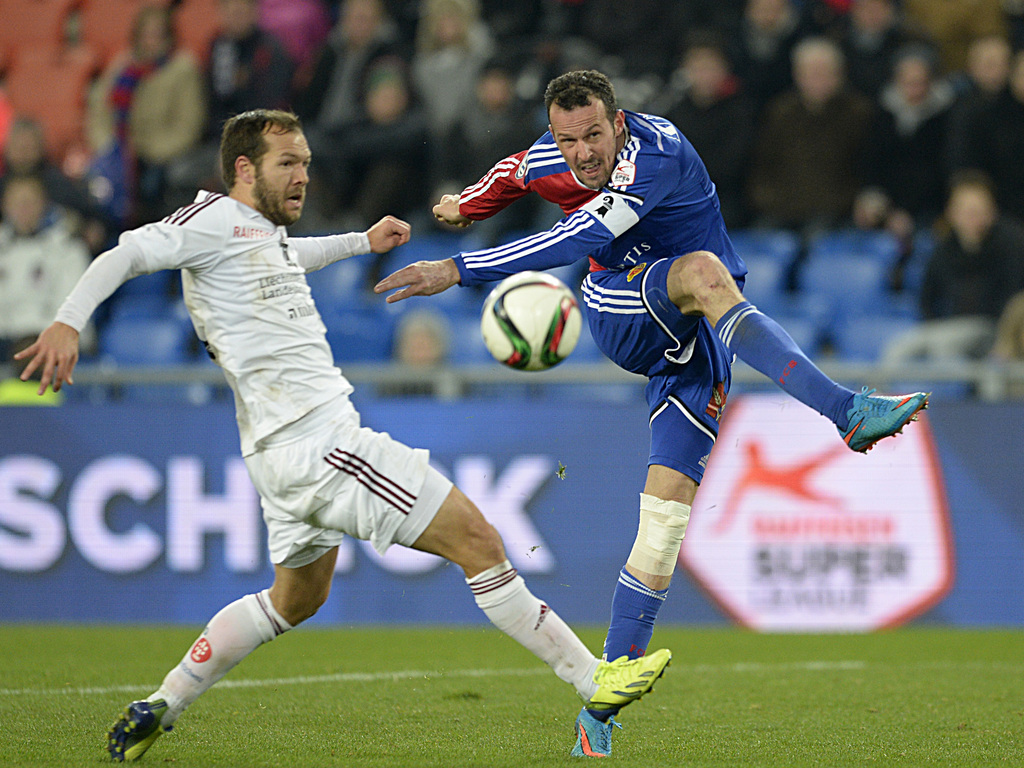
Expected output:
(575, 89)
(243, 137)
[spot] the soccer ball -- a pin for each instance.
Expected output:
(531, 321)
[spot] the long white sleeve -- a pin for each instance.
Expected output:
(104, 276)
(317, 252)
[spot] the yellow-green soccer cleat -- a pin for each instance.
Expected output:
(136, 729)
(625, 680)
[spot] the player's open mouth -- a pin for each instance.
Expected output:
(295, 200)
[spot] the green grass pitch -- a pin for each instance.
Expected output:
(452, 697)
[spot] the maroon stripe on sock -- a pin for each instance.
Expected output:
(493, 583)
(278, 629)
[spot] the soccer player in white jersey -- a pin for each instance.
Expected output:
(319, 474)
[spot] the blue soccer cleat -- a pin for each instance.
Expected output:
(136, 729)
(874, 417)
(593, 738)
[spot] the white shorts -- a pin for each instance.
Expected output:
(325, 476)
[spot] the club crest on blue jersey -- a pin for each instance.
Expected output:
(716, 406)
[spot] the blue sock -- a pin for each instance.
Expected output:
(762, 344)
(634, 609)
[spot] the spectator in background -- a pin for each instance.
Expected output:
(25, 155)
(763, 47)
(871, 34)
(906, 183)
(995, 141)
(954, 24)
(806, 167)
(301, 26)
(452, 46)
(1009, 343)
(975, 269)
(987, 75)
(248, 68)
(379, 163)
(636, 39)
(144, 112)
(40, 262)
(705, 101)
(495, 123)
(422, 339)
(335, 96)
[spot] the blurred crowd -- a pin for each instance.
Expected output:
(904, 117)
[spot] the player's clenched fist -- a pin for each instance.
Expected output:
(447, 212)
(388, 233)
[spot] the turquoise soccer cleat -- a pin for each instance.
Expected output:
(874, 417)
(593, 738)
(136, 729)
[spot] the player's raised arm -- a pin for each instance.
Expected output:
(424, 278)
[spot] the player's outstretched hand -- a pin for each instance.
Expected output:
(424, 278)
(447, 212)
(54, 354)
(388, 233)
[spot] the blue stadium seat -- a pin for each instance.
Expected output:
(804, 330)
(359, 336)
(855, 285)
(855, 243)
(163, 283)
(467, 343)
(342, 284)
(863, 339)
(765, 285)
(778, 244)
(146, 341)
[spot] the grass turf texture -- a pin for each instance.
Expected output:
(470, 697)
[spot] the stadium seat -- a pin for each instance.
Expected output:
(778, 244)
(855, 243)
(765, 285)
(863, 339)
(32, 25)
(50, 85)
(145, 341)
(342, 284)
(106, 25)
(854, 285)
(467, 344)
(196, 24)
(363, 336)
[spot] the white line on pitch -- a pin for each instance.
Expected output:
(363, 677)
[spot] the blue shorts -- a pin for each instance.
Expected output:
(635, 324)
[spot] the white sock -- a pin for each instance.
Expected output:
(502, 594)
(236, 631)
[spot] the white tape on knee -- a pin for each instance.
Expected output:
(662, 528)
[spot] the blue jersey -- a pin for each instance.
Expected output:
(658, 203)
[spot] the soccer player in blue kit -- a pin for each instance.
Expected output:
(663, 300)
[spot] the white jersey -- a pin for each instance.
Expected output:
(245, 288)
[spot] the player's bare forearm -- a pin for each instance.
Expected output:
(424, 278)
(447, 212)
(388, 233)
(54, 354)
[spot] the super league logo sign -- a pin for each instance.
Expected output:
(793, 531)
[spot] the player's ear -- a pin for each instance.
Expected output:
(620, 122)
(245, 171)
